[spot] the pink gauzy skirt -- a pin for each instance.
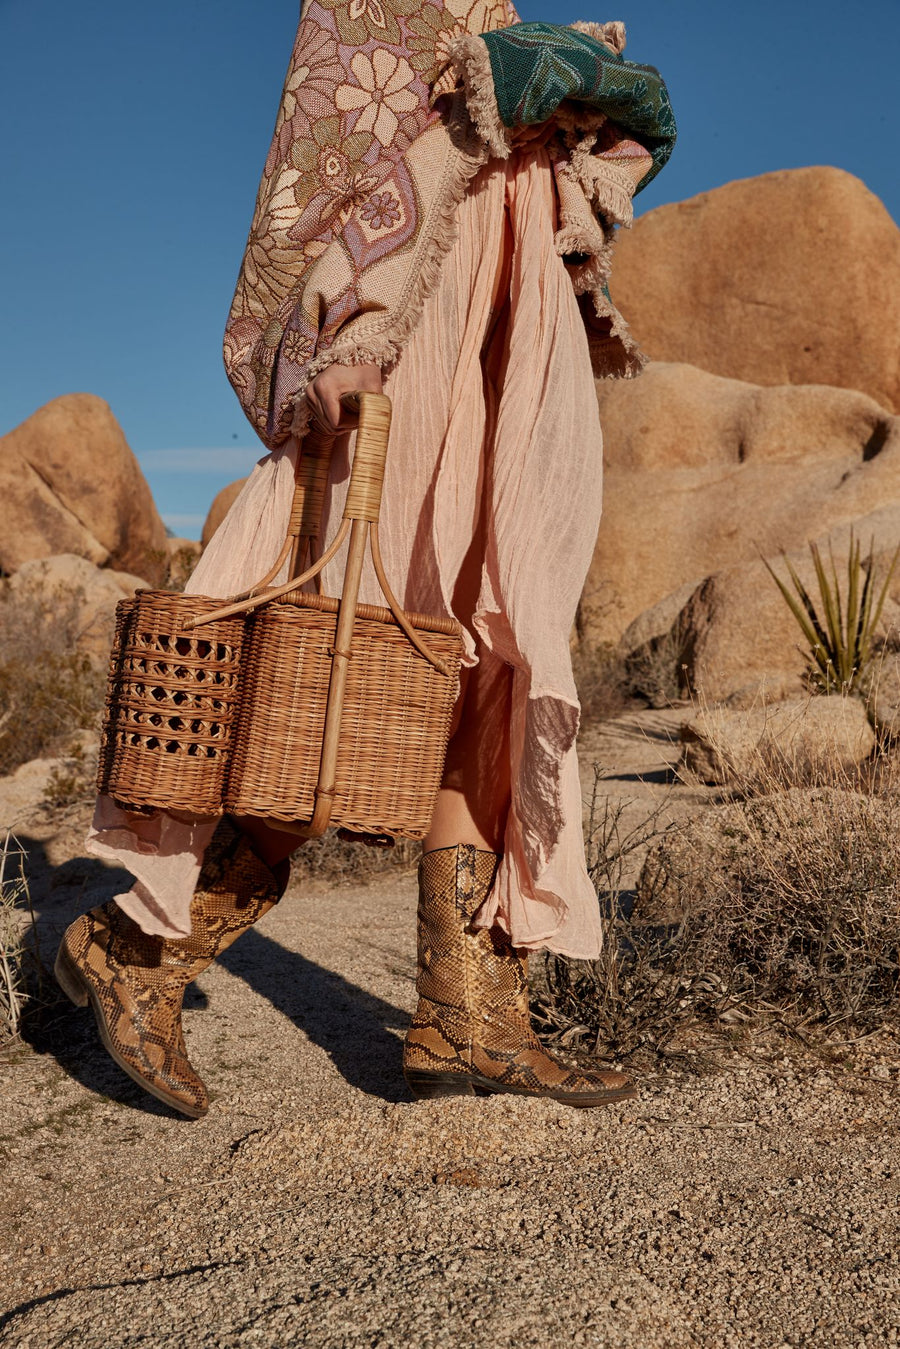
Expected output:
(506, 452)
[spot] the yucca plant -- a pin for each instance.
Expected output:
(840, 632)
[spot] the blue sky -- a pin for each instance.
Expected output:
(134, 136)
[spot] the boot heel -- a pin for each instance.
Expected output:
(66, 975)
(431, 1086)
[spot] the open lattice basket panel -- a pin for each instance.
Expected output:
(394, 726)
(172, 703)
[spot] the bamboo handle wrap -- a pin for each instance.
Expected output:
(312, 480)
(367, 475)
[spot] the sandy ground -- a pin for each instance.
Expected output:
(317, 1204)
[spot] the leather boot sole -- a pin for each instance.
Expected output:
(431, 1086)
(78, 990)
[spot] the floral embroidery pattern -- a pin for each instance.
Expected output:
(362, 20)
(431, 32)
(311, 81)
(296, 348)
(332, 165)
(357, 175)
(381, 210)
(382, 92)
(335, 195)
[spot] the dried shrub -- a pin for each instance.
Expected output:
(655, 672)
(600, 680)
(784, 905)
(181, 564)
(338, 860)
(48, 687)
(74, 778)
(641, 991)
(793, 899)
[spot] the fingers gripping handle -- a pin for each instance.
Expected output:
(367, 475)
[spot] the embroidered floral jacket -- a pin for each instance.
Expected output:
(389, 109)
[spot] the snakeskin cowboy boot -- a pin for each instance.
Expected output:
(471, 1029)
(135, 982)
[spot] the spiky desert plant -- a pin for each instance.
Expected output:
(14, 897)
(839, 632)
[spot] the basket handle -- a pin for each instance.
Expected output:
(369, 458)
(360, 520)
(363, 501)
(308, 504)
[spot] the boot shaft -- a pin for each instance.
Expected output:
(453, 884)
(476, 972)
(235, 888)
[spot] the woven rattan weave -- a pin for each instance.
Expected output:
(394, 723)
(302, 709)
(172, 702)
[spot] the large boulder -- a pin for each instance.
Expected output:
(705, 473)
(222, 504)
(70, 484)
(794, 739)
(789, 278)
(73, 592)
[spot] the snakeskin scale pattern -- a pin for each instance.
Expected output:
(472, 1017)
(136, 982)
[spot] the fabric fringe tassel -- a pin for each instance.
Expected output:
(471, 62)
(609, 191)
(612, 35)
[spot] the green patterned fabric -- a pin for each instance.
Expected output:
(537, 65)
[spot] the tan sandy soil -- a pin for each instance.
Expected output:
(317, 1205)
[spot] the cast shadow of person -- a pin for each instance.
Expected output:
(354, 1027)
(52, 1026)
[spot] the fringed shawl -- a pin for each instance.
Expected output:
(389, 109)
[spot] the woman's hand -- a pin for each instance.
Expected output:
(324, 393)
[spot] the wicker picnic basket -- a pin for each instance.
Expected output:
(300, 708)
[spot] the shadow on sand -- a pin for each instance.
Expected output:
(352, 1026)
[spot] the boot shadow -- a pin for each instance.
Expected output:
(352, 1026)
(51, 1024)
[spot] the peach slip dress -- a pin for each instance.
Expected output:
(492, 457)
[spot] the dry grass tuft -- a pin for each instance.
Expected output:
(19, 954)
(339, 861)
(782, 903)
(635, 994)
(600, 681)
(655, 672)
(790, 901)
(48, 688)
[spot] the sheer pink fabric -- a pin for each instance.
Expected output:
(525, 435)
